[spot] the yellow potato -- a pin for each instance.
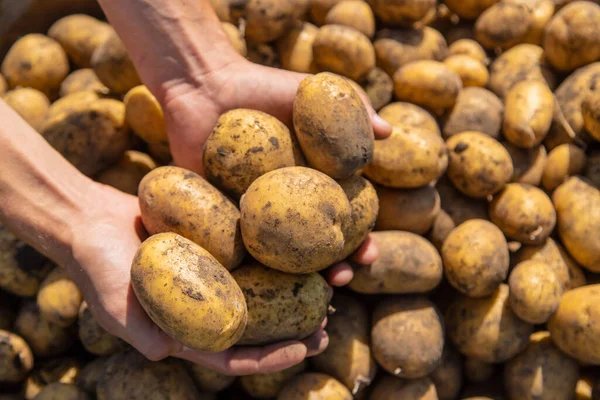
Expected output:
(471, 71)
(448, 376)
(319, 8)
(208, 380)
(82, 80)
(379, 87)
(353, 13)
(171, 276)
(563, 162)
(410, 115)
(590, 109)
(31, 104)
(478, 371)
(469, 9)
(295, 47)
(313, 385)
(412, 210)
(71, 103)
(127, 174)
(61, 391)
(16, 360)
(540, 13)
(402, 12)
(113, 66)
(59, 298)
(528, 164)
(236, 38)
(91, 373)
(592, 171)
(503, 25)
(476, 109)
(93, 337)
(266, 386)
(45, 338)
(145, 116)
(390, 388)
(266, 20)
(468, 47)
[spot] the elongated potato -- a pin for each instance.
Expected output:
(390, 388)
(471, 71)
(82, 80)
(402, 12)
(16, 359)
(468, 47)
(145, 115)
(314, 385)
(469, 9)
(45, 338)
(486, 328)
(413, 320)
(171, 275)
(90, 374)
(113, 66)
(59, 298)
(127, 174)
(295, 47)
(448, 376)
(528, 164)
(503, 25)
(94, 338)
(353, 13)
(31, 104)
(266, 20)
(476, 109)
(266, 386)
(406, 114)
(412, 210)
(563, 162)
(207, 379)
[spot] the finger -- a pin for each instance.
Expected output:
(381, 128)
(316, 343)
(367, 253)
(340, 274)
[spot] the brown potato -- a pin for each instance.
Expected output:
(281, 306)
(90, 374)
(391, 388)
(486, 328)
(592, 171)
(266, 386)
(295, 47)
(478, 371)
(468, 47)
(58, 370)
(244, 145)
(541, 371)
(590, 109)
(379, 87)
(570, 41)
(412, 210)
(411, 157)
(93, 337)
(448, 376)
(471, 71)
(16, 360)
(476, 109)
(410, 115)
(343, 50)
(145, 116)
(353, 13)
(36, 61)
(31, 104)
(127, 174)
(80, 35)
(266, 20)
(59, 298)
(82, 80)
(476, 258)
(61, 391)
(540, 13)
(207, 379)
(113, 66)
(348, 357)
(503, 25)
(236, 38)
(478, 165)
(469, 9)
(45, 338)
(402, 12)
(427, 83)
(263, 54)
(528, 164)
(563, 162)
(396, 48)
(524, 213)
(314, 385)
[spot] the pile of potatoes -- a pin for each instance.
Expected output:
(484, 204)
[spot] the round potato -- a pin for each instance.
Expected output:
(448, 376)
(412, 210)
(478, 165)
(379, 87)
(72, 103)
(90, 374)
(266, 20)
(469, 9)
(430, 84)
(353, 13)
(471, 71)
(93, 337)
(314, 385)
(476, 258)
(80, 35)
(127, 174)
(61, 391)
(45, 338)
(541, 370)
(476, 109)
(295, 47)
(281, 306)
(236, 38)
(413, 320)
(266, 386)
(486, 328)
(343, 50)
(145, 116)
(406, 114)
(244, 145)
(390, 388)
(478, 371)
(36, 61)
(402, 12)
(59, 298)
(528, 164)
(410, 158)
(16, 360)
(524, 213)
(171, 276)
(82, 80)
(468, 47)
(31, 104)
(113, 66)
(563, 162)
(209, 380)
(503, 25)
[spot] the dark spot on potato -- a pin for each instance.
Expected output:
(297, 287)
(255, 149)
(460, 147)
(222, 151)
(188, 289)
(274, 142)
(26, 65)
(190, 175)
(248, 292)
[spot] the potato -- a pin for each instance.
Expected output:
(266, 20)
(127, 174)
(31, 104)
(319, 9)
(412, 210)
(90, 374)
(364, 206)
(402, 12)
(584, 389)
(173, 199)
(313, 385)
(93, 337)
(145, 116)
(469, 9)
(353, 13)
(59, 298)
(478, 371)
(21, 267)
(266, 386)
(397, 48)
(72, 103)
(476, 259)
(16, 360)
(208, 380)
(592, 171)
(427, 83)
(379, 87)
(390, 388)
(236, 38)
(263, 54)
(524, 213)
(541, 12)
(471, 71)
(82, 80)
(92, 136)
(590, 109)
(503, 25)
(57, 370)
(348, 357)
(295, 47)
(468, 47)
(113, 66)
(448, 376)
(563, 162)
(571, 36)
(3, 85)
(528, 164)
(166, 379)
(486, 328)
(525, 62)
(411, 157)
(80, 35)
(343, 50)
(45, 338)
(476, 109)
(61, 391)
(478, 165)
(577, 205)
(172, 275)
(36, 61)
(410, 115)
(244, 145)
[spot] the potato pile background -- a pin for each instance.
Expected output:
(485, 203)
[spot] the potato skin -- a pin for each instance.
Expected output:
(503, 25)
(31, 104)
(402, 12)
(113, 66)
(353, 13)
(243, 146)
(93, 337)
(448, 376)
(471, 71)
(410, 158)
(412, 210)
(266, 386)
(61, 391)
(410, 115)
(45, 338)
(390, 388)
(295, 47)
(90, 374)
(172, 275)
(208, 380)
(266, 20)
(82, 80)
(528, 164)
(174, 199)
(281, 306)
(476, 109)
(563, 162)
(314, 385)
(16, 359)
(523, 213)
(59, 298)
(469, 9)
(379, 87)
(478, 165)
(36, 61)
(127, 174)
(145, 115)
(468, 47)
(577, 203)
(476, 258)
(486, 328)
